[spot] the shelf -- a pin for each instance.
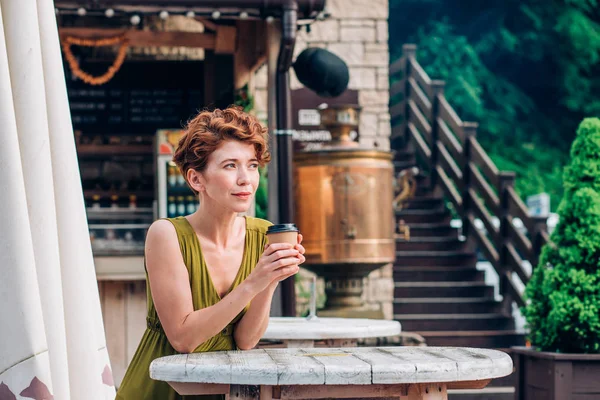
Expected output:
(119, 226)
(103, 211)
(179, 191)
(102, 150)
(89, 193)
(119, 267)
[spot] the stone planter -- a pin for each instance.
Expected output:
(556, 376)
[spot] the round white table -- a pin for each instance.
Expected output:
(338, 332)
(413, 373)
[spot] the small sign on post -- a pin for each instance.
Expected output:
(539, 205)
(309, 134)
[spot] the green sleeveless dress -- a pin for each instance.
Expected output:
(137, 384)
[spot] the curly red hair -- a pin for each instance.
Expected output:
(209, 129)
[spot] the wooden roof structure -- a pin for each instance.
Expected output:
(254, 8)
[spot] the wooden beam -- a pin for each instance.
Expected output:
(150, 38)
(226, 40)
(251, 50)
(208, 24)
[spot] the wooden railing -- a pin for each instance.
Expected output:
(449, 150)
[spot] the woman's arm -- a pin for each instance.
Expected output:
(185, 328)
(253, 324)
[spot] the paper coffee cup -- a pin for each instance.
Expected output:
(283, 233)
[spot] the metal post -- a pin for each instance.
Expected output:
(283, 136)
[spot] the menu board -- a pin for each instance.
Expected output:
(143, 96)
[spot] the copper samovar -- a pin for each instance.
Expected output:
(343, 202)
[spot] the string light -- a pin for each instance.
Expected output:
(164, 14)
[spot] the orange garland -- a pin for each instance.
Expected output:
(112, 70)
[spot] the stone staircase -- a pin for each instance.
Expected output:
(439, 293)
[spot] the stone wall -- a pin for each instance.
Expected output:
(357, 31)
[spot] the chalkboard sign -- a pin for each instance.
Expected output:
(143, 96)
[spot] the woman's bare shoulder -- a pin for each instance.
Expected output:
(161, 228)
(161, 239)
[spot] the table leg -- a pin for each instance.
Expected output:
(266, 393)
(243, 392)
(342, 342)
(428, 391)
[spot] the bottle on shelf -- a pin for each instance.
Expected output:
(180, 180)
(110, 234)
(180, 206)
(171, 207)
(192, 205)
(114, 201)
(132, 202)
(128, 236)
(96, 201)
(172, 175)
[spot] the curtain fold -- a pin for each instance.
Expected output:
(69, 332)
(27, 81)
(83, 315)
(24, 360)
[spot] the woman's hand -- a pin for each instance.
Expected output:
(278, 261)
(300, 249)
(300, 257)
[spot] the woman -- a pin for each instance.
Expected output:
(211, 274)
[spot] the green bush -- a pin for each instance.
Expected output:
(262, 196)
(563, 295)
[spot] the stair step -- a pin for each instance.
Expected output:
(415, 216)
(423, 184)
(402, 154)
(446, 305)
(484, 339)
(441, 289)
(422, 202)
(488, 393)
(432, 230)
(435, 274)
(445, 322)
(436, 258)
(430, 243)
(404, 163)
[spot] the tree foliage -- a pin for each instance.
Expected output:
(563, 310)
(527, 71)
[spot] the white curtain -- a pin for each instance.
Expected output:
(48, 290)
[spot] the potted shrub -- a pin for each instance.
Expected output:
(563, 295)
